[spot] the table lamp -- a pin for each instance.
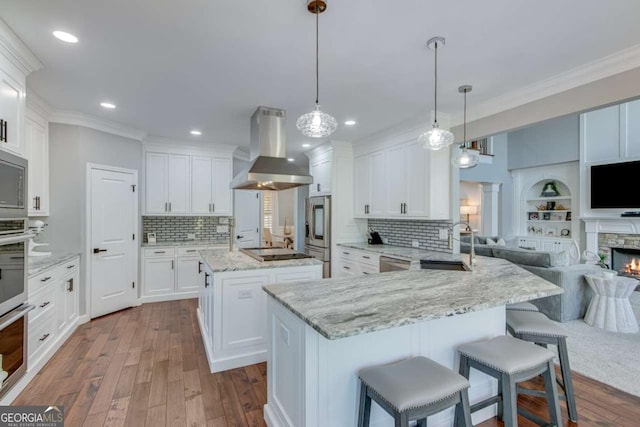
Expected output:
(468, 210)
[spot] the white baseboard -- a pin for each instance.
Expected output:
(33, 370)
(238, 361)
(270, 418)
(205, 339)
(169, 297)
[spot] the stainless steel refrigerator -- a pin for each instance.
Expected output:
(317, 242)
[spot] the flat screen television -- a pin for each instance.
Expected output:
(614, 186)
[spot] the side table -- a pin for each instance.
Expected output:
(610, 308)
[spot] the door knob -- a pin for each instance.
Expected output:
(98, 250)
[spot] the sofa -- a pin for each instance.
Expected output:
(555, 267)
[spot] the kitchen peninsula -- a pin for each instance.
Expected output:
(322, 333)
(232, 308)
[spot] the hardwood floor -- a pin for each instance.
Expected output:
(147, 366)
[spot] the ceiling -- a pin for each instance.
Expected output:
(171, 66)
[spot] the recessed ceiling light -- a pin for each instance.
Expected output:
(350, 122)
(196, 132)
(108, 105)
(65, 37)
(291, 159)
(305, 145)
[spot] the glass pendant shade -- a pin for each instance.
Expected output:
(436, 138)
(316, 124)
(466, 159)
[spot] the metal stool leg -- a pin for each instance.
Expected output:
(422, 423)
(567, 382)
(463, 411)
(510, 398)
(553, 402)
(364, 412)
(401, 419)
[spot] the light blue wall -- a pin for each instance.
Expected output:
(497, 172)
(548, 143)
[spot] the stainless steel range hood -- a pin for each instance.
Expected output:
(269, 168)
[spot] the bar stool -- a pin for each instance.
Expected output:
(413, 389)
(522, 306)
(511, 361)
(539, 329)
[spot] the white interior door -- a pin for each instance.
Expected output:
(113, 219)
(247, 214)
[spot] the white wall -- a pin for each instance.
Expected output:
(70, 149)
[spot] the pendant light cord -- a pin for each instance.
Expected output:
(435, 92)
(464, 132)
(317, 54)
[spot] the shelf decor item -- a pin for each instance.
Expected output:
(551, 205)
(568, 218)
(551, 232)
(546, 216)
(550, 190)
(565, 232)
(436, 138)
(317, 124)
(533, 216)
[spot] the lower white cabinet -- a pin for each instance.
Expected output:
(544, 244)
(54, 294)
(171, 272)
(233, 312)
(352, 262)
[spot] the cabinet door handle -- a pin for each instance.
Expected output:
(35, 203)
(366, 257)
(318, 187)
(213, 207)
(209, 207)
(44, 337)
(206, 280)
(69, 267)
(3, 131)
(70, 287)
(172, 264)
(346, 253)
(346, 268)
(199, 267)
(159, 252)
(46, 279)
(192, 250)
(166, 206)
(44, 304)
(169, 206)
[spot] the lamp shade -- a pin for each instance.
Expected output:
(468, 210)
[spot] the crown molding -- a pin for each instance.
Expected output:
(241, 154)
(199, 145)
(85, 120)
(16, 51)
(616, 63)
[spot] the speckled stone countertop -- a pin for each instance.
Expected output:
(339, 308)
(37, 265)
(170, 243)
(412, 254)
(223, 260)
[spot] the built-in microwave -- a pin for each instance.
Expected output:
(13, 186)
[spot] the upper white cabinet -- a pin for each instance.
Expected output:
(611, 134)
(187, 183)
(403, 181)
(320, 170)
(12, 106)
(37, 152)
(210, 192)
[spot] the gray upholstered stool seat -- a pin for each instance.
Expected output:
(412, 389)
(511, 361)
(539, 329)
(522, 306)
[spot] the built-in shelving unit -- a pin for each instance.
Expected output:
(543, 218)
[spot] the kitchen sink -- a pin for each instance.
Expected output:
(443, 265)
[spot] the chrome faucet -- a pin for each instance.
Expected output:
(472, 252)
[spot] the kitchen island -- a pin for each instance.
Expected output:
(322, 333)
(232, 309)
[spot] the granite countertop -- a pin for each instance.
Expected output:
(411, 254)
(222, 260)
(169, 243)
(37, 265)
(340, 308)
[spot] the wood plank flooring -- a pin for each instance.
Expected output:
(146, 366)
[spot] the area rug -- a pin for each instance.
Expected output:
(611, 358)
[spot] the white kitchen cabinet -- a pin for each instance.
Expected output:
(352, 262)
(210, 192)
(12, 110)
(545, 244)
(630, 130)
(159, 275)
(167, 185)
(403, 181)
(362, 186)
(37, 153)
(232, 312)
(320, 170)
(189, 274)
(68, 299)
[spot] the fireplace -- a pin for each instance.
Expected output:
(626, 261)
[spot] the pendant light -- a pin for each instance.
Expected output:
(465, 159)
(436, 138)
(317, 124)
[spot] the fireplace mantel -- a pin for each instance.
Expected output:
(618, 225)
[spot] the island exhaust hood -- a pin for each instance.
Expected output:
(269, 168)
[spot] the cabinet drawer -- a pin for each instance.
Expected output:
(44, 301)
(70, 267)
(368, 258)
(192, 250)
(159, 252)
(43, 279)
(42, 333)
(349, 268)
(369, 269)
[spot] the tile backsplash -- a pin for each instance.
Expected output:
(171, 228)
(401, 232)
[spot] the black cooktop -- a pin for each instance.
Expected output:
(273, 254)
